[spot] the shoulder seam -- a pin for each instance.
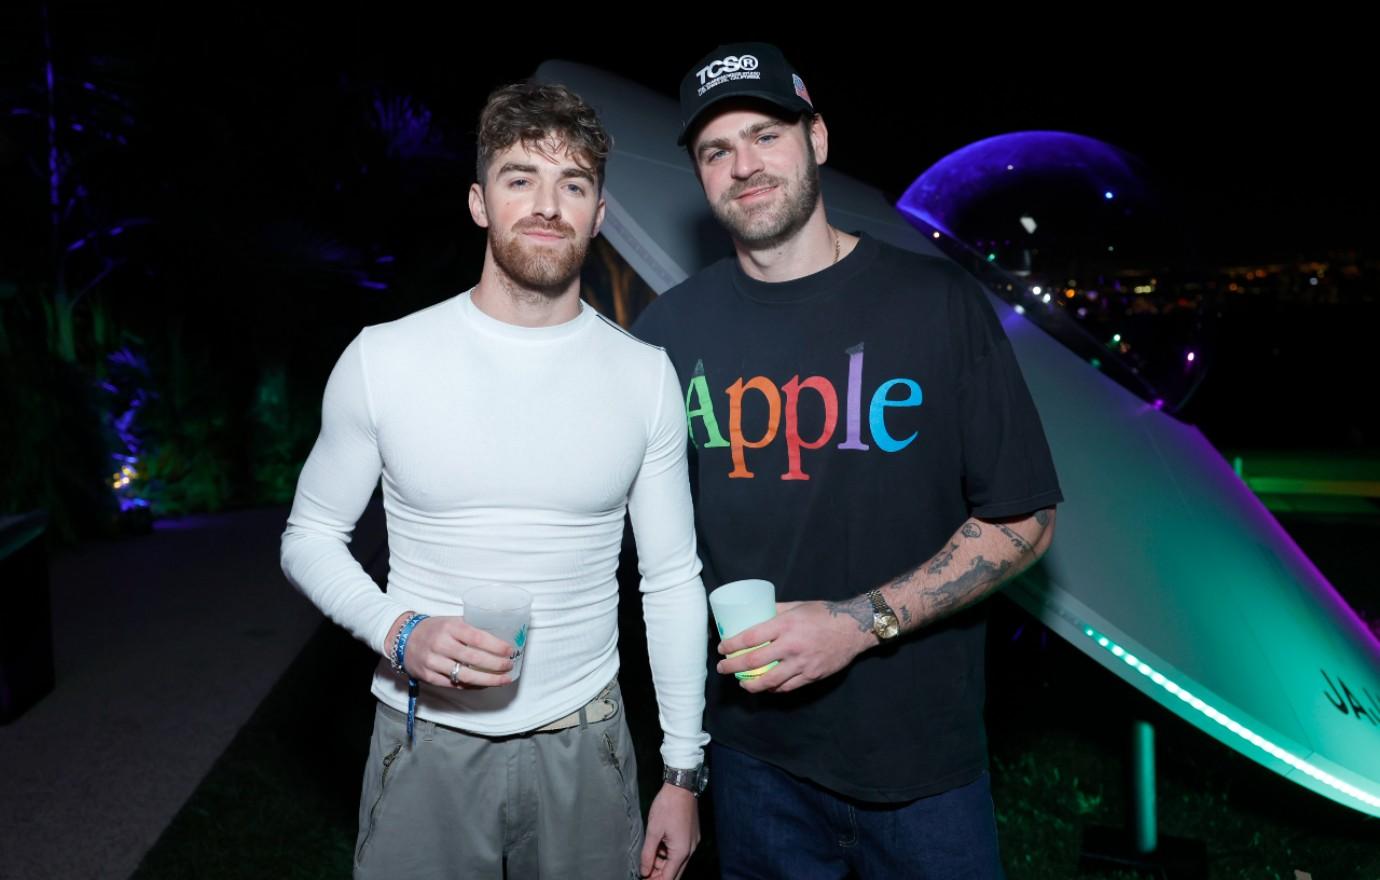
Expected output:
(616, 327)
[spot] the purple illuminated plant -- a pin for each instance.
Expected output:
(127, 394)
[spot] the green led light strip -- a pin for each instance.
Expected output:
(1235, 727)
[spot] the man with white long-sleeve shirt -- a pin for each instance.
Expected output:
(512, 427)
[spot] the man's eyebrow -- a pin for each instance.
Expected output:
(576, 171)
(756, 127)
(716, 144)
(528, 168)
(721, 143)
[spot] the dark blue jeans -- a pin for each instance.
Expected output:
(772, 825)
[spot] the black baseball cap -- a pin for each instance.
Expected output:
(740, 70)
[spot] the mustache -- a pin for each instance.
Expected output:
(536, 224)
(754, 182)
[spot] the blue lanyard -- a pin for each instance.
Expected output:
(399, 652)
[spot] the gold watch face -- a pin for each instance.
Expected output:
(886, 626)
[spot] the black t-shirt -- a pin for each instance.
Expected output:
(843, 426)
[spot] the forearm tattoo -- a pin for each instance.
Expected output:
(957, 593)
(960, 591)
(1016, 540)
(942, 560)
(858, 608)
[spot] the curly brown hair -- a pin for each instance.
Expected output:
(531, 113)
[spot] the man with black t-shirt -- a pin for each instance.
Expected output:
(862, 437)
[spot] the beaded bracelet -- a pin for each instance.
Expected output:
(400, 640)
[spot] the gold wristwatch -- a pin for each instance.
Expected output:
(885, 626)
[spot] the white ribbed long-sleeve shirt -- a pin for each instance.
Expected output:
(509, 454)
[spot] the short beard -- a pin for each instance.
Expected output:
(534, 268)
(790, 218)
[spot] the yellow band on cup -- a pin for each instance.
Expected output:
(753, 673)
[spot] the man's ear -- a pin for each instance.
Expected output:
(819, 139)
(479, 211)
(598, 217)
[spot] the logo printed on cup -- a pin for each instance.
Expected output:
(504, 611)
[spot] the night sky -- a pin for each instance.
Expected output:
(1264, 129)
(272, 205)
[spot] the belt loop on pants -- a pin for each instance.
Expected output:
(601, 708)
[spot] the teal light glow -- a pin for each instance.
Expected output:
(1231, 724)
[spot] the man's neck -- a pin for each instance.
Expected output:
(502, 299)
(816, 247)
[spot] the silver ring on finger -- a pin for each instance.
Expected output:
(455, 673)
